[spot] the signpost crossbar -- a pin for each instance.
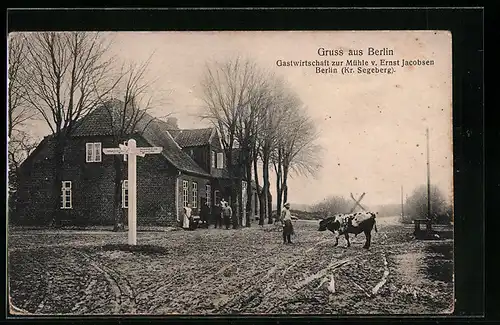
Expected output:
(132, 151)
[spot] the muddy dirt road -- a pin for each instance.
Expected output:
(215, 271)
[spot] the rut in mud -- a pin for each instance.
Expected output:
(215, 271)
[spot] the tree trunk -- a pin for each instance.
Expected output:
(262, 207)
(236, 199)
(278, 188)
(270, 206)
(248, 170)
(258, 192)
(265, 190)
(235, 187)
(118, 211)
(57, 185)
(284, 188)
(13, 192)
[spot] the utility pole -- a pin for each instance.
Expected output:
(428, 177)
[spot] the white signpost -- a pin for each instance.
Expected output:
(132, 151)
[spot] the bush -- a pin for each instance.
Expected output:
(416, 206)
(332, 205)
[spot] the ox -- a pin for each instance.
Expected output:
(352, 223)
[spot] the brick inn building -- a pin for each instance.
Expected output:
(191, 169)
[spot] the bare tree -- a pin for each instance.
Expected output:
(272, 119)
(228, 92)
(70, 73)
(18, 111)
(248, 128)
(296, 151)
(416, 205)
(21, 144)
(129, 114)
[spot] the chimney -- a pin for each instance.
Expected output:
(172, 123)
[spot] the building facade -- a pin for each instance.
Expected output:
(191, 169)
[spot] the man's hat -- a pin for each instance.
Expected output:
(287, 204)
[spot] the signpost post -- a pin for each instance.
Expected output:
(132, 151)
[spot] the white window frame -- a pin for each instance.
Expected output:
(195, 195)
(185, 193)
(216, 192)
(220, 160)
(66, 195)
(213, 159)
(208, 190)
(125, 194)
(93, 152)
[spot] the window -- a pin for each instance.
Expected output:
(220, 160)
(66, 195)
(195, 195)
(125, 193)
(213, 159)
(216, 196)
(208, 190)
(93, 152)
(125, 156)
(185, 193)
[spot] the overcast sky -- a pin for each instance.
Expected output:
(372, 126)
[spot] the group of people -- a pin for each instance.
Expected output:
(223, 216)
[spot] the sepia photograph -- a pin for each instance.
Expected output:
(230, 173)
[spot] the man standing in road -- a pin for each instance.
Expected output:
(286, 219)
(204, 213)
(217, 215)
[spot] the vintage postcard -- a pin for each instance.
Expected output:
(217, 173)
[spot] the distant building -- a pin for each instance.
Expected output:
(192, 168)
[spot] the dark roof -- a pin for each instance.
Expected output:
(174, 132)
(154, 131)
(100, 121)
(193, 137)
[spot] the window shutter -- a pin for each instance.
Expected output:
(195, 195)
(220, 160)
(208, 190)
(89, 152)
(98, 151)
